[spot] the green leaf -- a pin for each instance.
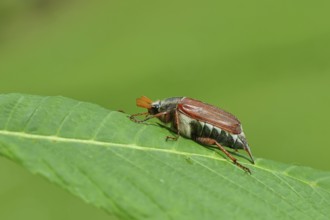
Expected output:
(130, 170)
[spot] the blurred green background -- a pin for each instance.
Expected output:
(268, 62)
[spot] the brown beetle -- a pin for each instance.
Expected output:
(204, 123)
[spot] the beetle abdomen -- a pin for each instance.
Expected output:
(203, 129)
(184, 125)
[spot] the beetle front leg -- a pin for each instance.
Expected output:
(133, 117)
(148, 116)
(175, 138)
(210, 141)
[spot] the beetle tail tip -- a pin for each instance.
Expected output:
(247, 149)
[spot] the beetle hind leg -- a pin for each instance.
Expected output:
(210, 141)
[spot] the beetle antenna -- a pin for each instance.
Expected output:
(144, 102)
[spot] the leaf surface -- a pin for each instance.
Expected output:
(130, 170)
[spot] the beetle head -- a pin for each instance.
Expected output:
(166, 105)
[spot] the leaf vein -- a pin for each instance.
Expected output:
(119, 211)
(139, 188)
(102, 123)
(239, 186)
(279, 195)
(34, 112)
(18, 101)
(66, 118)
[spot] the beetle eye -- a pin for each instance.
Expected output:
(154, 109)
(156, 105)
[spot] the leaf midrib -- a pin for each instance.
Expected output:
(99, 143)
(136, 147)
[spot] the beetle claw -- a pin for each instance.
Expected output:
(243, 167)
(172, 138)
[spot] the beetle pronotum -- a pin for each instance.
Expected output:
(204, 123)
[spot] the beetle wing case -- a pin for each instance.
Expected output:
(210, 114)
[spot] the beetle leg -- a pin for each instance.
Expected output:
(210, 141)
(175, 138)
(132, 117)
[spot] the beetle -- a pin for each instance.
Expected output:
(199, 121)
